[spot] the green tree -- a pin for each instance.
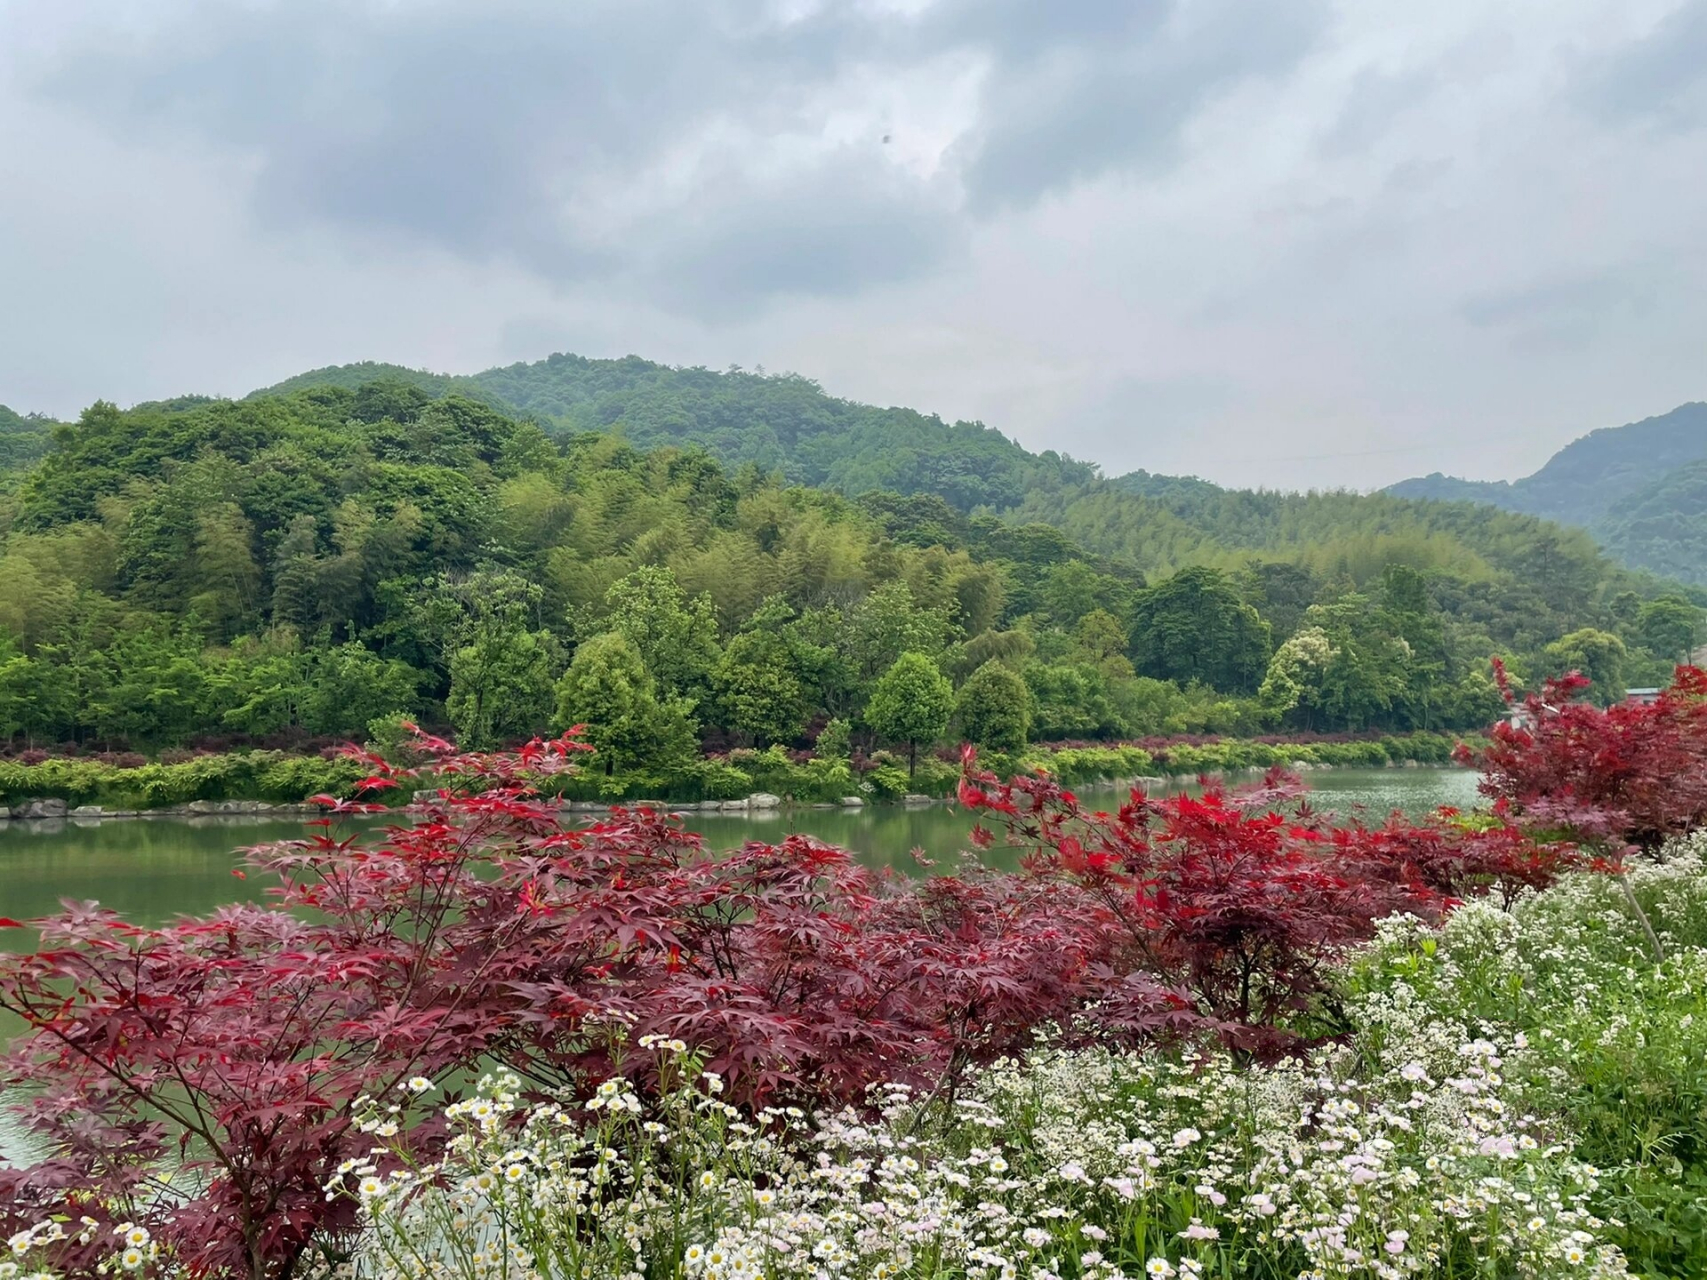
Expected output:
(1292, 689)
(1597, 654)
(226, 581)
(499, 684)
(758, 695)
(501, 673)
(888, 623)
(1408, 612)
(911, 703)
(1070, 590)
(1193, 627)
(297, 599)
(1670, 626)
(675, 635)
(1070, 700)
(608, 689)
(348, 685)
(155, 690)
(994, 708)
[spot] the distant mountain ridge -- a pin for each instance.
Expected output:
(1640, 489)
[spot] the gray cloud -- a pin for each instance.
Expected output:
(1064, 111)
(543, 133)
(1660, 78)
(1566, 311)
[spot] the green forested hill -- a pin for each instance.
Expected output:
(1156, 523)
(1662, 526)
(23, 439)
(1619, 484)
(782, 423)
(676, 555)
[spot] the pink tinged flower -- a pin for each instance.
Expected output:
(1197, 1231)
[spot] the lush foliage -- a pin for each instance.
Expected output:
(269, 776)
(831, 771)
(1611, 1044)
(1246, 909)
(1269, 1046)
(911, 703)
(286, 569)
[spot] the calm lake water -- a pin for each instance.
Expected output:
(151, 870)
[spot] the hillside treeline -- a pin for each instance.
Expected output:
(309, 564)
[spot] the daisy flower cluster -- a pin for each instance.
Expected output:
(134, 1249)
(1068, 1164)
(1605, 1040)
(1313, 1168)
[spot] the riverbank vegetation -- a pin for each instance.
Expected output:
(1205, 1035)
(824, 775)
(284, 571)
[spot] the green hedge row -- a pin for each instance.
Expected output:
(281, 778)
(250, 775)
(744, 772)
(1216, 757)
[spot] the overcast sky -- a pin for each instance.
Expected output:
(1270, 242)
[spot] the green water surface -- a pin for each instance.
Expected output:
(153, 869)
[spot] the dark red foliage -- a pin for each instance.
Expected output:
(1630, 774)
(237, 1044)
(1242, 906)
(487, 930)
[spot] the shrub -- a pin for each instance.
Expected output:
(265, 775)
(1627, 774)
(1247, 909)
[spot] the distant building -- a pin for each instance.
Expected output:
(1642, 697)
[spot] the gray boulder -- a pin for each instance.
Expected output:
(40, 807)
(763, 800)
(852, 802)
